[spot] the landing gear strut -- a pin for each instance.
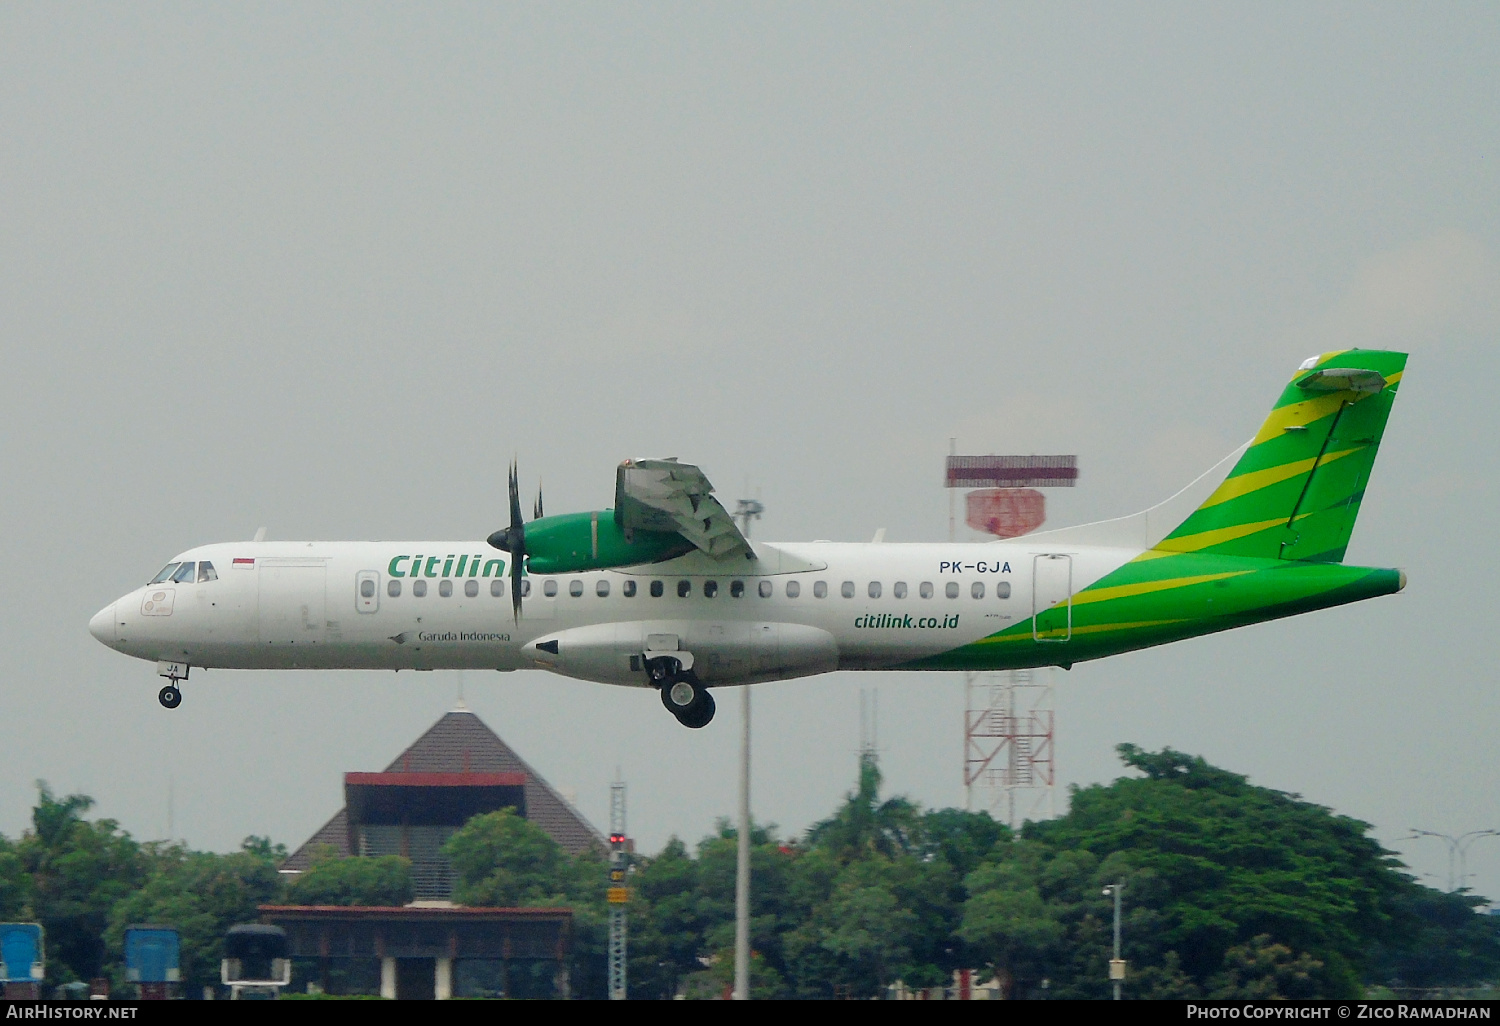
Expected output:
(681, 693)
(170, 697)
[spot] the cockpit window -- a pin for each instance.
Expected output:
(184, 574)
(206, 572)
(166, 572)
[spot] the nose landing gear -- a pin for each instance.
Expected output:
(170, 697)
(681, 693)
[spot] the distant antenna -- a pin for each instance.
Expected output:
(869, 725)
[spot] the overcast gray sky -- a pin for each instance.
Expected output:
(327, 268)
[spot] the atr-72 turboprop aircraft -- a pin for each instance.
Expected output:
(664, 591)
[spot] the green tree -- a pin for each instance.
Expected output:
(201, 894)
(1007, 920)
(1263, 970)
(380, 880)
(1224, 863)
(1442, 940)
(15, 883)
(501, 859)
(865, 824)
(666, 928)
(505, 861)
(78, 871)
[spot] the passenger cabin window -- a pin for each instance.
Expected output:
(575, 588)
(951, 590)
(899, 589)
(793, 589)
(525, 588)
(418, 589)
(393, 588)
(710, 589)
(601, 588)
(977, 589)
(550, 589)
(820, 589)
(874, 589)
(445, 589)
(471, 589)
(206, 572)
(684, 589)
(656, 589)
(736, 589)
(367, 588)
(1002, 590)
(925, 590)
(184, 574)
(763, 589)
(628, 589)
(166, 572)
(847, 589)
(497, 588)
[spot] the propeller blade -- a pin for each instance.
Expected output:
(515, 588)
(515, 497)
(536, 511)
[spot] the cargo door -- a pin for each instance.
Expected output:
(292, 601)
(1052, 597)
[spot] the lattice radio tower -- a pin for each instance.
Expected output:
(1009, 744)
(1009, 722)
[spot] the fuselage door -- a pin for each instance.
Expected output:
(367, 591)
(1052, 597)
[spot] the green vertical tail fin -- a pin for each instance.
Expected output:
(1296, 491)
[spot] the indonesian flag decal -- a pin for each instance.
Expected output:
(244, 563)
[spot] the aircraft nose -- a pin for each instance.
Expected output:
(102, 626)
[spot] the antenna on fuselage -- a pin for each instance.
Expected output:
(260, 534)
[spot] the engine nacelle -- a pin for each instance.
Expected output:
(571, 543)
(719, 653)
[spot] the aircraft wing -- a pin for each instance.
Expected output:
(665, 495)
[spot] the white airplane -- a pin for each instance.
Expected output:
(664, 591)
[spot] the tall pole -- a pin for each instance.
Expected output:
(1116, 966)
(742, 863)
(1117, 889)
(749, 509)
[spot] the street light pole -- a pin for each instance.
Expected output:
(1458, 852)
(748, 509)
(1116, 964)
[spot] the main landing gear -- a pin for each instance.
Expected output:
(681, 693)
(170, 697)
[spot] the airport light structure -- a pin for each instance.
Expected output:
(1458, 852)
(618, 893)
